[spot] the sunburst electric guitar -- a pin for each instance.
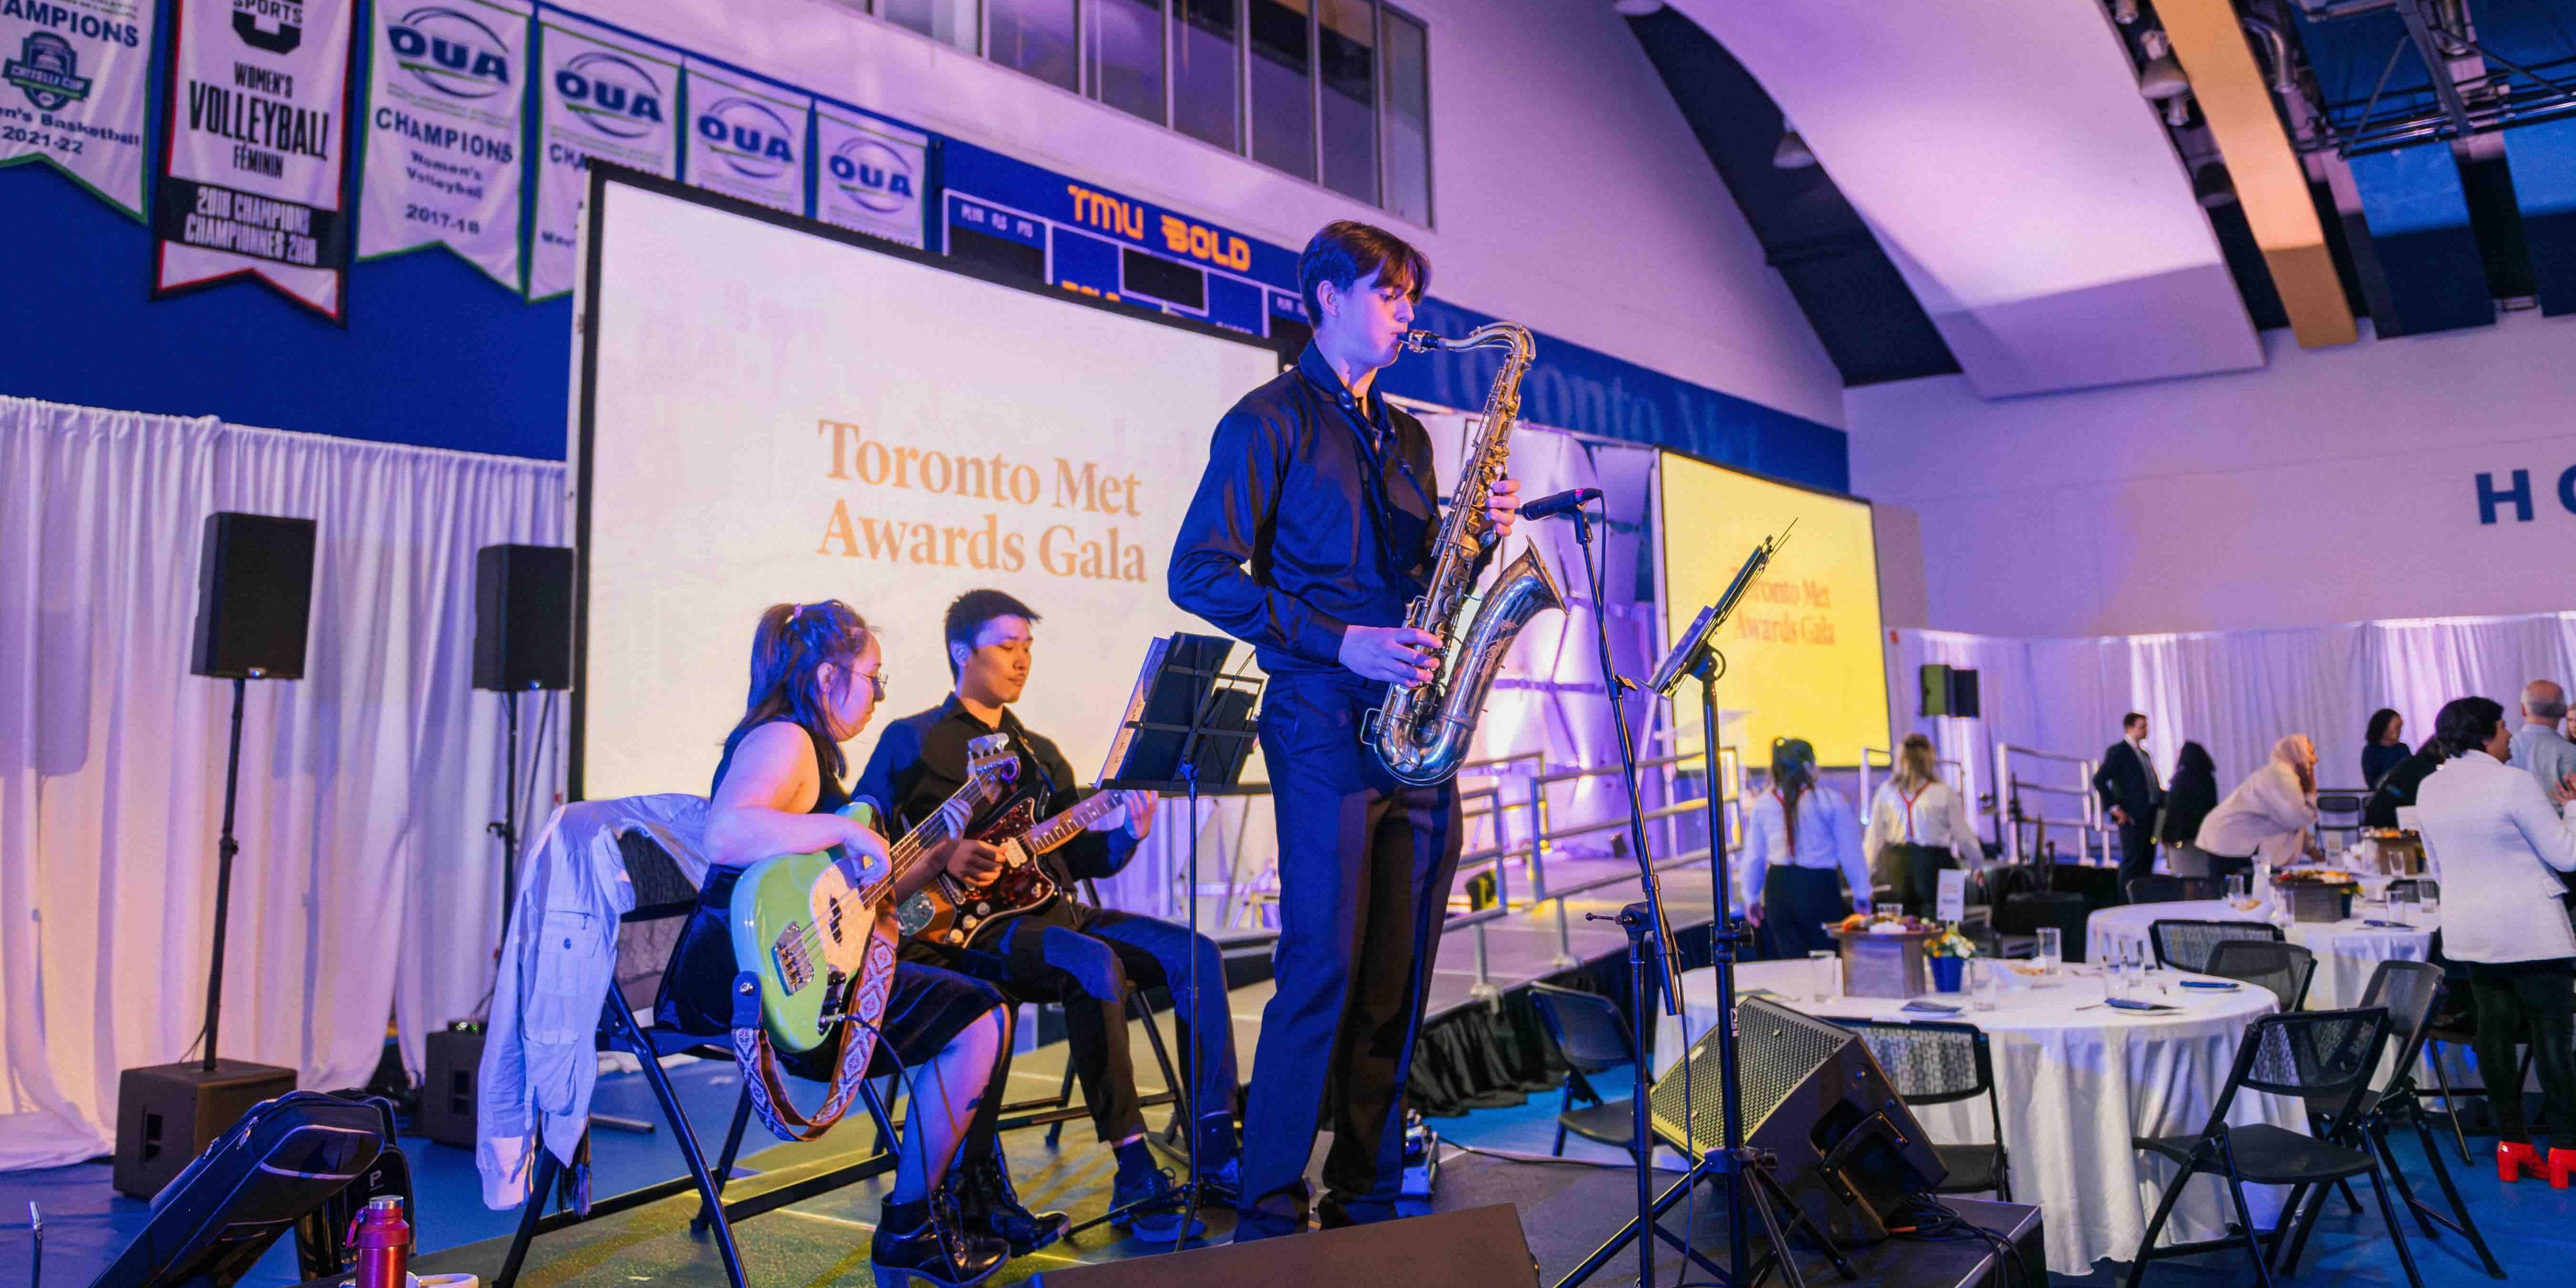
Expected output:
(948, 911)
(802, 927)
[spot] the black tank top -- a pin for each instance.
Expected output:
(831, 796)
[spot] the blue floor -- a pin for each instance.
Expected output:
(2531, 1226)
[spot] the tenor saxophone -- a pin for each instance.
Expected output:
(1422, 731)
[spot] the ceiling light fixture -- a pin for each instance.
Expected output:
(2161, 79)
(1792, 154)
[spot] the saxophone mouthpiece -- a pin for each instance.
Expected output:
(1423, 341)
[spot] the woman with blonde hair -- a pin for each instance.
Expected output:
(1918, 828)
(2269, 815)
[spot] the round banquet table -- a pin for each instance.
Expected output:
(2060, 1062)
(2347, 951)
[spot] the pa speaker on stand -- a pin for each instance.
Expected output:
(522, 642)
(254, 609)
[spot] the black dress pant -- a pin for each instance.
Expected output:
(2137, 853)
(1915, 871)
(2533, 1002)
(1365, 864)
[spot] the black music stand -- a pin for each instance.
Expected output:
(1187, 731)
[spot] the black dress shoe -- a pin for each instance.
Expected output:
(988, 1201)
(939, 1253)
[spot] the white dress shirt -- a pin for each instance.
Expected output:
(1935, 816)
(1828, 837)
(2493, 837)
(2266, 817)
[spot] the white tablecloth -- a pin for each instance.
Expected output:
(2057, 1069)
(2347, 951)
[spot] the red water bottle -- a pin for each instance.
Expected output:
(383, 1244)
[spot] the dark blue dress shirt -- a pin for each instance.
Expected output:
(1316, 513)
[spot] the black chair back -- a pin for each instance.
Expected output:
(2409, 991)
(2281, 967)
(2323, 1057)
(1587, 1027)
(2159, 888)
(1931, 1063)
(2185, 945)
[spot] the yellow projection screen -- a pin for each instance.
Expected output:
(1802, 652)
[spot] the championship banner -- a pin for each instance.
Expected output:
(871, 174)
(747, 140)
(73, 81)
(252, 182)
(445, 97)
(603, 95)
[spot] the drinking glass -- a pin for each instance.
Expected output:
(2431, 904)
(1985, 979)
(2052, 948)
(1825, 967)
(2133, 962)
(2236, 888)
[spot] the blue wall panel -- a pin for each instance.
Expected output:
(2419, 226)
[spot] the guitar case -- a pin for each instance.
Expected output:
(306, 1161)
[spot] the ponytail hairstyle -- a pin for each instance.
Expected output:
(1917, 765)
(788, 652)
(1793, 775)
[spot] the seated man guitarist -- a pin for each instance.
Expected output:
(1069, 951)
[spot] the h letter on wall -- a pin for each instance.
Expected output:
(2519, 494)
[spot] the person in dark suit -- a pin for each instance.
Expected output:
(2127, 784)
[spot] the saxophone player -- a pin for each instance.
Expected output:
(1310, 532)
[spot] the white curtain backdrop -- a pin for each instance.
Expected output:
(364, 786)
(2234, 692)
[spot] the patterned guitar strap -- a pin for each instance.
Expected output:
(864, 1010)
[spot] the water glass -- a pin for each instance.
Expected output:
(2236, 887)
(1985, 975)
(2052, 948)
(1826, 970)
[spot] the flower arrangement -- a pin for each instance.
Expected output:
(1950, 943)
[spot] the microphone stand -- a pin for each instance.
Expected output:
(1649, 931)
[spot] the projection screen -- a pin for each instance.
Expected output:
(771, 410)
(1803, 658)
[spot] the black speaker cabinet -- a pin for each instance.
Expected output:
(1963, 693)
(1809, 1086)
(1478, 1248)
(523, 617)
(254, 597)
(166, 1115)
(447, 1085)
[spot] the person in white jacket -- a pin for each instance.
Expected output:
(1918, 828)
(2268, 816)
(2498, 841)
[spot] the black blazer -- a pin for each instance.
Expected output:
(2123, 780)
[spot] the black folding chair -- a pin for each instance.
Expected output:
(2316, 1056)
(1593, 1038)
(2284, 968)
(1934, 1064)
(2160, 888)
(2409, 991)
(646, 937)
(2185, 945)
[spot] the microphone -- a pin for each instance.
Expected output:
(1556, 503)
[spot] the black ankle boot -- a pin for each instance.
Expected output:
(988, 1201)
(939, 1252)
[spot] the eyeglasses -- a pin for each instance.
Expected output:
(876, 679)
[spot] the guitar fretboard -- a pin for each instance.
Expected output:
(1060, 830)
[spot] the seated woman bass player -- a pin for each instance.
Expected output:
(815, 679)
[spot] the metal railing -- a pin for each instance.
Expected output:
(2011, 815)
(1538, 837)
(1961, 779)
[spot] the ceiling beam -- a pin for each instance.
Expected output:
(2270, 183)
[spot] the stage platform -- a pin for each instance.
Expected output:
(1566, 1209)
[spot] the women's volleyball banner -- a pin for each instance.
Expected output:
(445, 95)
(259, 94)
(73, 76)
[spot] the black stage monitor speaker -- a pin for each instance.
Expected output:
(166, 1115)
(523, 617)
(1963, 693)
(453, 1060)
(1814, 1097)
(1478, 1248)
(254, 597)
